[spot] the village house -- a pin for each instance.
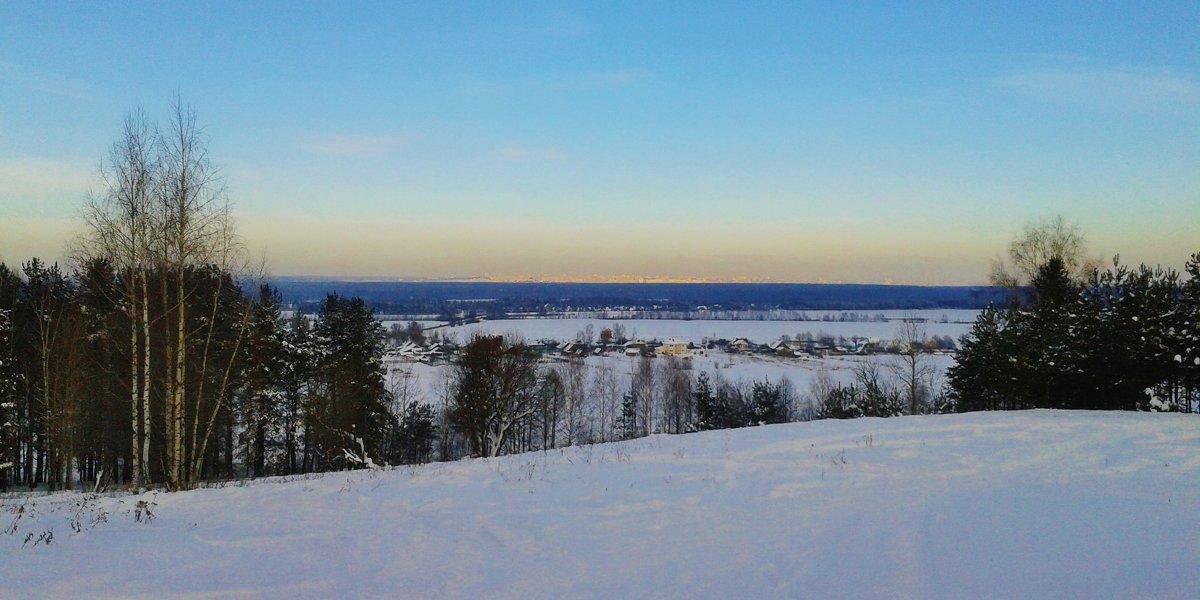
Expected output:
(866, 345)
(789, 348)
(673, 347)
(410, 352)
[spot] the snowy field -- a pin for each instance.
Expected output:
(430, 381)
(1039, 504)
(761, 332)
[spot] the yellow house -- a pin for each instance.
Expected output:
(673, 347)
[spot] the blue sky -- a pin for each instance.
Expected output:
(874, 142)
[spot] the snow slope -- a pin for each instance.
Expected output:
(1039, 504)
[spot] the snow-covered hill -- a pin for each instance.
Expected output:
(1036, 504)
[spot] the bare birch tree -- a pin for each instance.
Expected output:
(162, 210)
(675, 381)
(573, 374)
(119, 223)
(194, 216)
(644, 387)
(1038, 243)
(913, 368)
(606, 390)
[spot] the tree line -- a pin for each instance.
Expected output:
(1076, 334)
(499, 398)
(265, 394)
(146, 362)
(1120, 339)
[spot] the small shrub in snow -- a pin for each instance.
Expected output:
(15, 524)
(143, 511)
(45, 537)
(88, 513)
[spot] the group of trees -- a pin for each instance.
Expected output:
(871, 394)
(71, 383)
(1126, 339)
(500, 400)
(1078, 336)
(265, 394)
(273, 395)
(410, 332)
(147, 363)
(161, 259)
(728, 406)
(906, 384)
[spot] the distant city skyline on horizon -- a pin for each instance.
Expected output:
(676, 141)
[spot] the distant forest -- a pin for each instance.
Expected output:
(495, 300)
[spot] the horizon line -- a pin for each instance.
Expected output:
(616, 280)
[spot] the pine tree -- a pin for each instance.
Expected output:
(104, 436)
(768, 404)
(979, 377)
(627, 423)
(9, 378)
(414, 434)
(1049, 344)
(51, 317)
(297, 382)
(707, 415)
(350, 416)
(264, 391)
(1188, 334)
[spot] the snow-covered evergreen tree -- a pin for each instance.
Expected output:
(768, 403)
(627, 422)
(264, 391)
(298, 381)
(1188, 334)
(349, 414)
(8, 402)
(1124, 339)
(707, 416)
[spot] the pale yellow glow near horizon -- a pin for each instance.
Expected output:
(49, 239)
(525, 249)
(539, 250)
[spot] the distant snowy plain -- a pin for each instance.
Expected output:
(958, 323)
(430, 380)
(1039, 504)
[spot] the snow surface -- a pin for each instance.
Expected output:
(761, 332)
(429, 380)
(1039, 504)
